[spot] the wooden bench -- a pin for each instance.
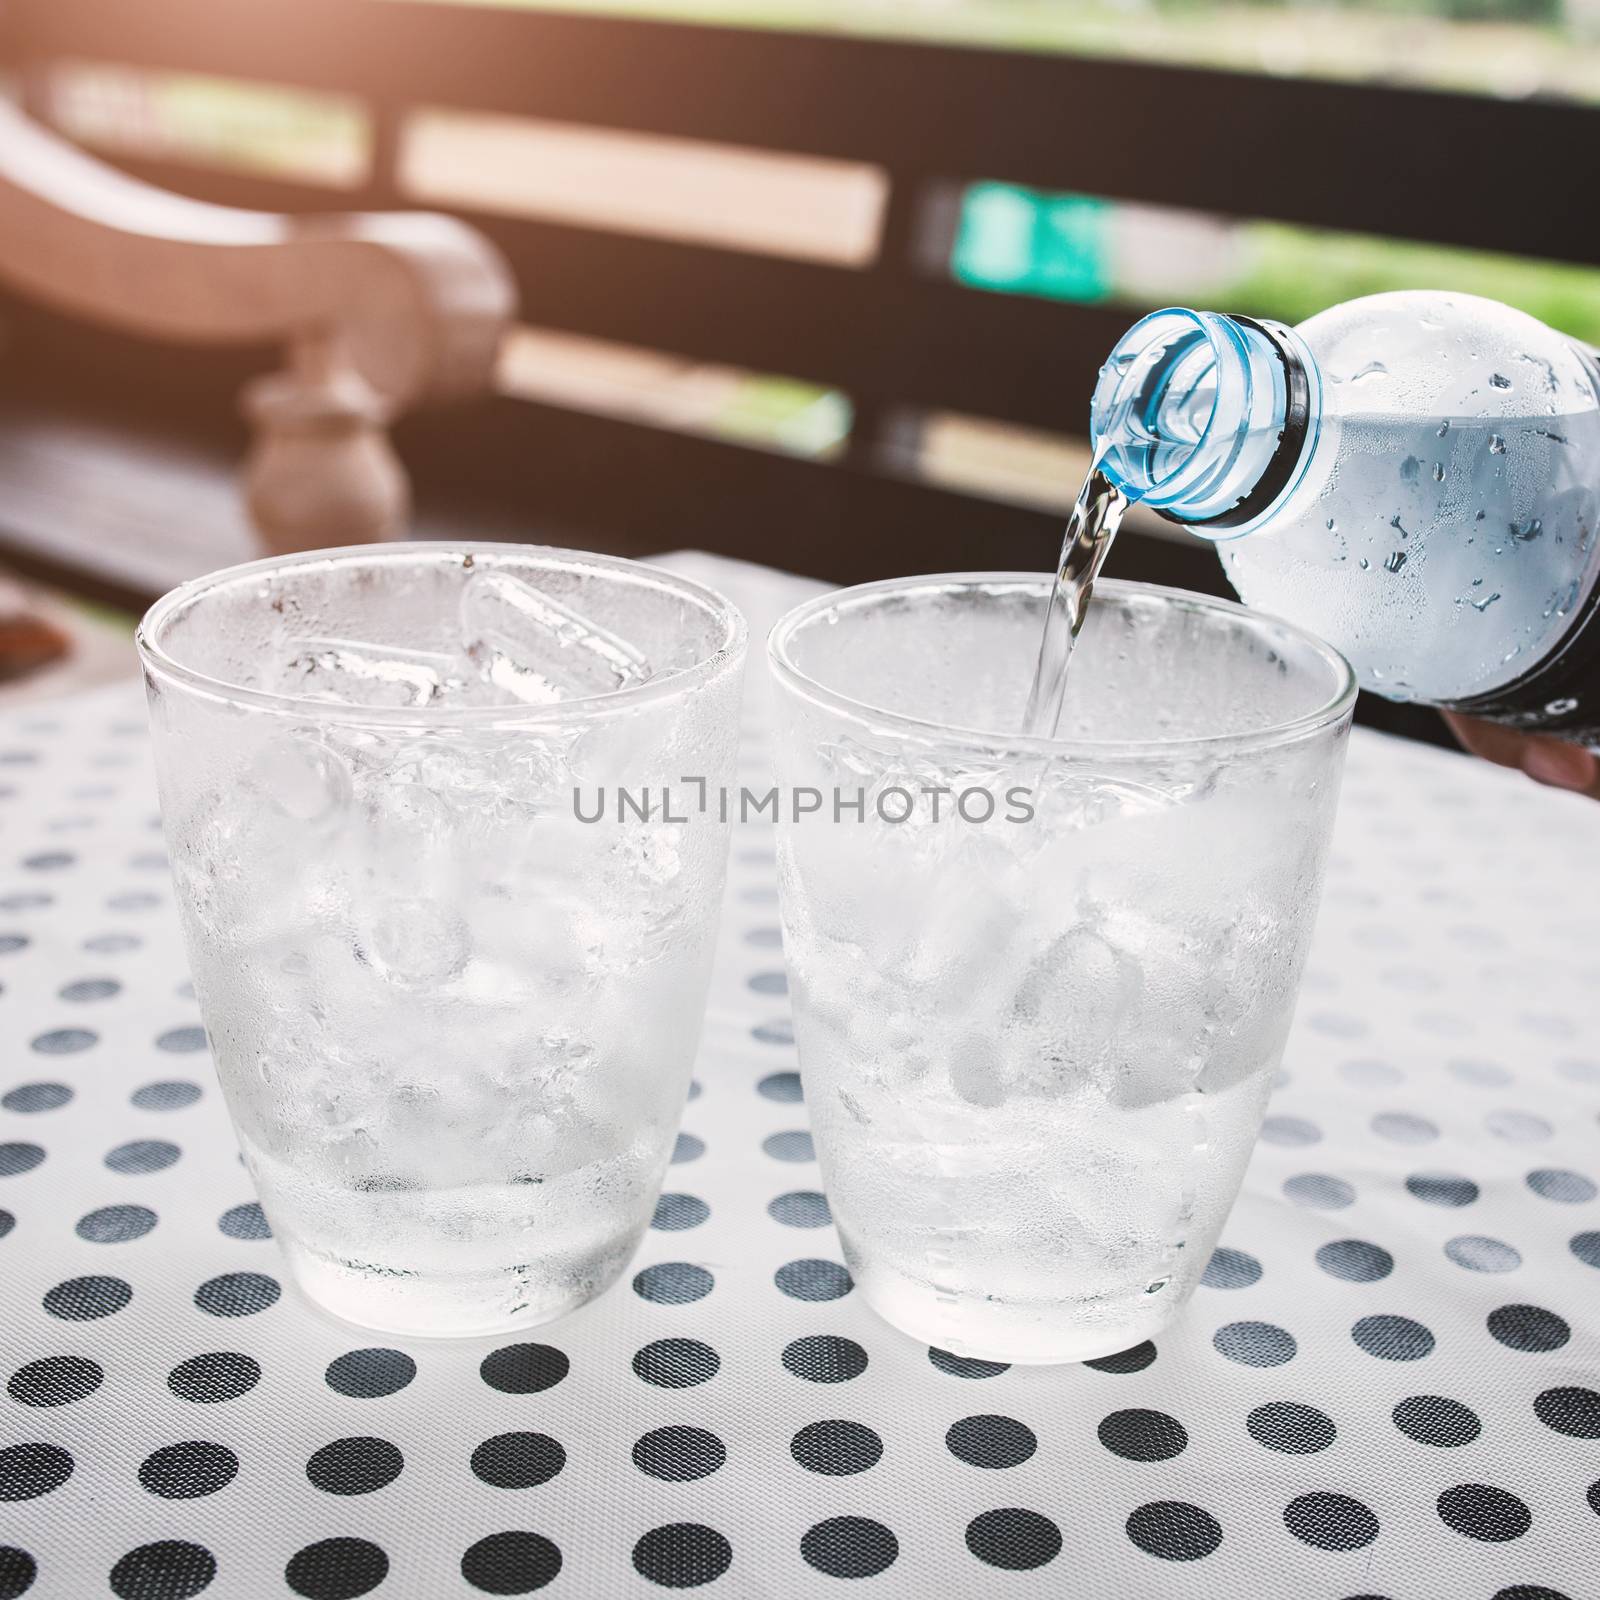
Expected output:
(886, 326)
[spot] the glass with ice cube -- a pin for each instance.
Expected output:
(1041, 987)
(453, 1019)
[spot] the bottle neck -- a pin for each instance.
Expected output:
(1206, 418)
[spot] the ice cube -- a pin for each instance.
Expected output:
(537, 649)
(353, 672)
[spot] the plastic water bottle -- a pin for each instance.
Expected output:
(1414, 476)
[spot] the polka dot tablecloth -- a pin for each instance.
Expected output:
(1387, 1384)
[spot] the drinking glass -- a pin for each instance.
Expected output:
(1041, 987)
(452, 998)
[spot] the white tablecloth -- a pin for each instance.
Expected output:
(1386, 1387)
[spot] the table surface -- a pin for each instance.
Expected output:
(1386, 1385)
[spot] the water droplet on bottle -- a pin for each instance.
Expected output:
(1373, 369)
(1479, 517)
(1477, 583)
(1499, 381)
(1330, 524)
(1438, 472)
(1497, 445)
(1396, 524)
(1409, 468)
(1559, 708)
(1364, 564)
(1525, 532)
(1484, 604)
(1444, 427)
(1397, 559)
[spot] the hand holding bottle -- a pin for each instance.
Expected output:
(1549, 761)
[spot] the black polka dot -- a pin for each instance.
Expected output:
(825, 1358)
(792, 1145)
(1013, 1538)
(781, 1086)
(764, 938)
(245, 1221)
(514, 1562)
(768, 983)
(1531, 1328)
(7, 1222)
(1566, 1188)
(182, 1041)
(1403, 1127)
(112, 944)
(237, 1294)
(370, 1374)
(115, 1224)
(965, 1366)
(676, 1363)
(837, 1448)
(136, 900)
(1528, 1591)
(49, 861)
(778, 1031)
(518, 1460)
(679, 1454)
(849, 1547)
(1355, 1260)
(1437, 1420)
(813, 1279)
(336, 1569)
(65, 1041)
(1291, 1428)
(682, 1555)
(1174, 1530)
(1586, 1247)
(30, 1470)
(676, 1212)
(169, 1569)
(90, 989)
(687, 1148)
(523, 1368)
(357, 1465)
(55, 1381)
(1574, 1412)
(673, 1283)
(1139, 1435)
(1592, 1495)
(1255, 1344)
(187, 1471)
(12, 942)
(31, 1098)
(142, 1156)
(991, 1441)
(1519, 1127)
(17, 1571)
(1442, 1188)
(17, 1158)
(1481, 1511)
(694, 1089)
(1290, 1131)
(1391, 1338)
(215, 1376)
(86, 1299)
(1476, 1252)
(1330, 1521)
(170, 1094)
(1231, 1269)
(1123, 1362)
(801, 1208)
(26, 902)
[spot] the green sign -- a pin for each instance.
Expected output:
(1022, 241)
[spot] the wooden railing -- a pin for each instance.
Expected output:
(891, 334)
